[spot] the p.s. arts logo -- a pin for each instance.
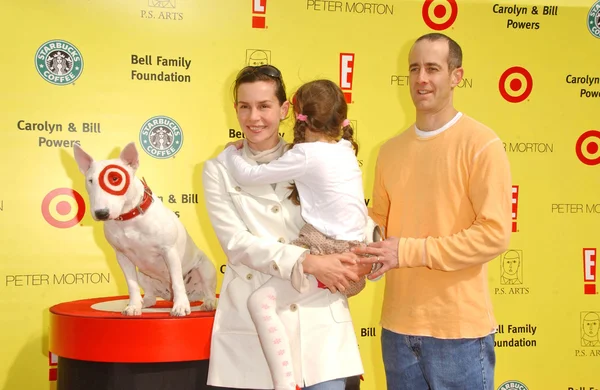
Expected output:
(161, 9)
(347, 75)
(161, 137)
(515, 84)
(590, 327)
(258, 57)
(63, 208)
(513, 385)
(259, 10)
(593, 19)
(439, 14)
(587, 149)
(511, 267)
(59, 62)
(161, 3)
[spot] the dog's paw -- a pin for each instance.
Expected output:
(131, 310)
(181, 309)
(149, 301)
(209, 305)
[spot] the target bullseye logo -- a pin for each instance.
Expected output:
(515, 84)
(114, 179)
(439, 14)
(587, 147)
(63, 208)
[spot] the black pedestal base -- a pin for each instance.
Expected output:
(79, 375)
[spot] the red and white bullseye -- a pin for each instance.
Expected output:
(587, 147)
(114, 179)
(515, 84)
(63, 208)
(439, 14)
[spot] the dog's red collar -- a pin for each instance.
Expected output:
(141, 207)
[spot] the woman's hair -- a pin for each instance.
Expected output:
(320, 106)
(251, 74)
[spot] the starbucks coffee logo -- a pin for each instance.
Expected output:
(593, 19)
(161, 137)
(59, 62)
(513, 385)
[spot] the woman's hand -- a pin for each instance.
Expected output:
(360, 268)
(334, 271)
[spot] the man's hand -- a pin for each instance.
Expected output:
(334, 270)
(383, 252)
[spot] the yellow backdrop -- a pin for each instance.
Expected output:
(102, 72)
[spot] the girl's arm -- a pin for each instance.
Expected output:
(290, 166)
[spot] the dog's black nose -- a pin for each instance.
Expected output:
(101, 214)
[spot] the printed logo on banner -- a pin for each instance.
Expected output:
(257, 57)
(350, 7)
(511, 281)
(439, 14)
(589, 271)
(403, 81)
(161, 137)
(53, 370)
(347, 75)
(515, 84)
(161, 3)
(593, 19)
(590, 323)
(165, 11)
(63, 208)
(511, 267)
(587, 148)
(513, 385)
(515, 207)
(259, 10)
(59, 62)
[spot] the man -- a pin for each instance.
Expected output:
(443, 192)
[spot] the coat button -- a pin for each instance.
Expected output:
(249, 276)
(275, 209)
(275, 267)
(281, 240)
(293, 307)
(238, 188)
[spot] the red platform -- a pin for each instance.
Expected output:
(94, 330)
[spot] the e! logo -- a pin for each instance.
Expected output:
(259, 7)
(346, 75)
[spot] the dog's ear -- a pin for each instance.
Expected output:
(83, 159)
(129, 155)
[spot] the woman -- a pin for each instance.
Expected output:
(254, 225)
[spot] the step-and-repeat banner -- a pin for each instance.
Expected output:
(160, 72)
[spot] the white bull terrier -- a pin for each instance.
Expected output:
(147, 235)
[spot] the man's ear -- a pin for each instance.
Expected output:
(457, 76)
